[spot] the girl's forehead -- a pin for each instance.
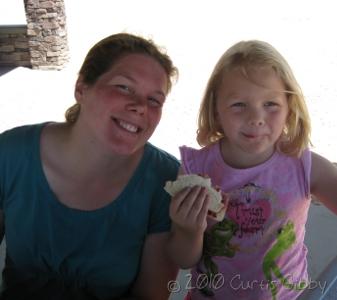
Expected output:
(252, 70)
(263, 76)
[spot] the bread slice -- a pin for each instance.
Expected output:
(183, 181)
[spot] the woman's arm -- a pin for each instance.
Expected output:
(2, 226)
(156, 269)
(323, 181)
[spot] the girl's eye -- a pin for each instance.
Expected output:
(272, 106)
(238, 105)
(271, 103)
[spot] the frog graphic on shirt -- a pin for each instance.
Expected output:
(217, 243)
(248, 210)
(285, 239)
(247, 219)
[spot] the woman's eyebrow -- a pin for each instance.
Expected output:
(125, 76)
(130, 78)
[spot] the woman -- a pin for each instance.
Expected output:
(83, 207)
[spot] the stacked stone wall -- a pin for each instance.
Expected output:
(14, 48)
(42, 42)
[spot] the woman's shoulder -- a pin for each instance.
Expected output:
(160, 160)
(18, 147)
(20, 133)
(20, 139)
(162, 155)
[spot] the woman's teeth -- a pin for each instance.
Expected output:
(128, 126)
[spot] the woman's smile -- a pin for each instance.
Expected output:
(126, 125)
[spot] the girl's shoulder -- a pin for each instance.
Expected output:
(323, 180)
(194, 160)
(207, 150)
(303, 159)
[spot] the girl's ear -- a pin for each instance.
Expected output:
(80, 88)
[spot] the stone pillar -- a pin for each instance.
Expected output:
(47, 34)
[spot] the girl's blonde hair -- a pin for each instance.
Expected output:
(296, 134)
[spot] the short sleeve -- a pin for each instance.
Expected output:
(16, 145)
(187, 159)
(163, 167)
(159, 219)
(196, 161)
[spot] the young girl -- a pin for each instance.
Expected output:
(254, 128)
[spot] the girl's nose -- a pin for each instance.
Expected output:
(256, 118)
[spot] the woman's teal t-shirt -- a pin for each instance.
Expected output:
(98, 251)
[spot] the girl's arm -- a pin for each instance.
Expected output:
(323, 181)
(188, 211)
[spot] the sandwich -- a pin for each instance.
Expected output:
(216, 207)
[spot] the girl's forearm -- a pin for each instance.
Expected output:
(185, 249)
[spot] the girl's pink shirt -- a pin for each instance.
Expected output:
(262, 235)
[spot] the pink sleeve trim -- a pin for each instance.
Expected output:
(184, 153)
(306, 162)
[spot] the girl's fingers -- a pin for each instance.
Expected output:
(198, 204)
(177, 200)
(202, 215)
(191, 201)
(225, 200)
(181, 203)
(186, 205)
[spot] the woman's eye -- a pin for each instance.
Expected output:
(124, 88)
(154, 102)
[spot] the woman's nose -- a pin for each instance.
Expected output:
(138, 104)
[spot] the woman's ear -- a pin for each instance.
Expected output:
(80, 88)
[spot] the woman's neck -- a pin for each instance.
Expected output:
(80, 175)
(85, 159)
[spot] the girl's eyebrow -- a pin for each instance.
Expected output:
(274, 96)
(232, 96)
